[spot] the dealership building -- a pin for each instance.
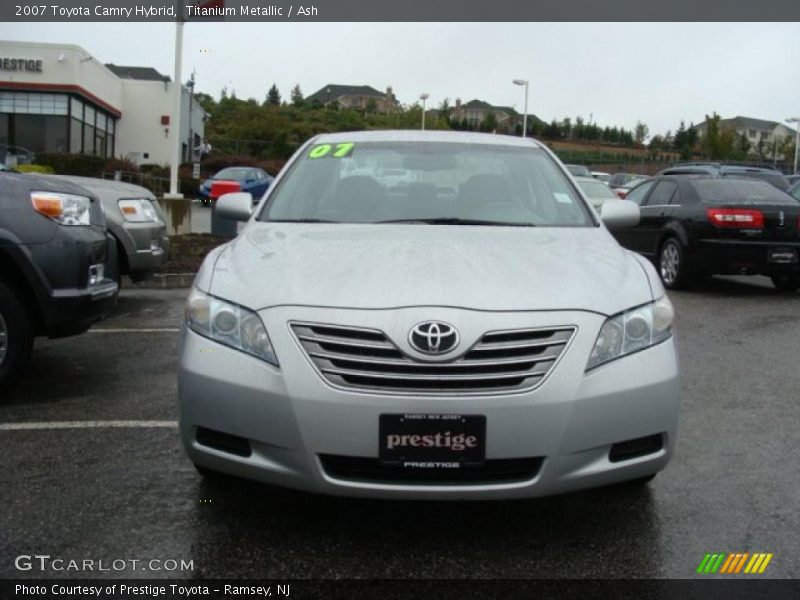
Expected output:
(59, 98)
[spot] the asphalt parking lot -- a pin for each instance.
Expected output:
(96, 490)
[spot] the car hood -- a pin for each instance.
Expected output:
(383, 266)
(110, 187)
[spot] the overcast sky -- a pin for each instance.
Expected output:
(658, 73)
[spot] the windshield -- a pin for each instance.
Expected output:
(596, 189)
(741, 191)
(234, 173)
(427, 182)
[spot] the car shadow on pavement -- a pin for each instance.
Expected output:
(606, 532)
(740, 287)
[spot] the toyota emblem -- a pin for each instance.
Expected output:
(433, 337)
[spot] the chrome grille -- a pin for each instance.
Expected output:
(366, 359)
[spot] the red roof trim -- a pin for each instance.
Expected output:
(61, 87)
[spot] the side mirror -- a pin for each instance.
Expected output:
(236, 206)
(619, 214)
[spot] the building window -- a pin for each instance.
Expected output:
(33, 103)
(88, 139)
(76, 109)
(41, 134)
(76, 136)
(45, 122)
(4, 132)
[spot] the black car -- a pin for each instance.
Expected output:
(58, 265)
(701, 225)
(772, 176)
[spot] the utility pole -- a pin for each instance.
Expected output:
(190, 145)
(175, 118)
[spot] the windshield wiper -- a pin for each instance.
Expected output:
(457, 221)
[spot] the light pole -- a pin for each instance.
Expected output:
(423, 97)
(525, 114)
(796, 121)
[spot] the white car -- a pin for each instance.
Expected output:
(596, 191)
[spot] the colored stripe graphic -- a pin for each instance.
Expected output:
(728, 563)
(765, 563)
(703, 563)
(734, 563)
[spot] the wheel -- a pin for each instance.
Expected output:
(16, 337)
(787, 283)
(671, 264)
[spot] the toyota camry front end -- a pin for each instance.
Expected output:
(469, 331)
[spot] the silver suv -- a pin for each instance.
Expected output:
(475, 332)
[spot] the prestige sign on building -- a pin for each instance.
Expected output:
(21, 64)
(60, 98)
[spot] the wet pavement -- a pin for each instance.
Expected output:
(105, 493)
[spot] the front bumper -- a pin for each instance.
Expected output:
(69, 301)
(146, 247)
(291, 418)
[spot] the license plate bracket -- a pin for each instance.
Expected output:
(432, 441)
(782, 256)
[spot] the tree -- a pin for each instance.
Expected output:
(717, 143)
(786, 149)
(580, 129)
(743, 146)
(656, 143)
(274, 96)
(566, 128)
(489, 122)
(296, 96)
(641, 132)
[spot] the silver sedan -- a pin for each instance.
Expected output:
(473, 331)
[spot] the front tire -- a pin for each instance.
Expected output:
(672, 264)
(16, 337)
(787, 282)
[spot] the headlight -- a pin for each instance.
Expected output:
(66, 209)
(229, 324)
(632, 330)
(138, 211)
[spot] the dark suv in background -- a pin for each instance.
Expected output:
(58, 265)
(717, 169)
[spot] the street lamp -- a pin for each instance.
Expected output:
(796, 121)
(525, 114)
(423, 97)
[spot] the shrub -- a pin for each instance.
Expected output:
(120, 164)
(154, 169)
(43, 169)
(72, 164)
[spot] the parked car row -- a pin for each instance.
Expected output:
(65, 242)
(58, 265)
